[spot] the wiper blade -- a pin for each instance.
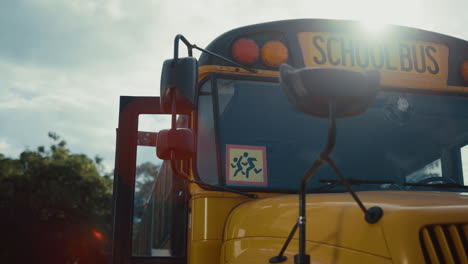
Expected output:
(437, 185)
(358, 181)
(351, 181)
(187, 178)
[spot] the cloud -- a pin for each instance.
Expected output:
(64, 64)
(7, 149)
(72, 33)
(81, 107)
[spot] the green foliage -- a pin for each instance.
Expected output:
(146, 174)
(53, 198)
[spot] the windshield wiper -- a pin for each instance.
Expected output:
(358, 181)
(437, 185)
(185, 177)
(351, 181)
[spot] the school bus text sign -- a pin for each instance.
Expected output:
(402, 63)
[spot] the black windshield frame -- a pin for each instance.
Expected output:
(213, 78)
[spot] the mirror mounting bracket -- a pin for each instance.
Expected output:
(191, 46)
(372, 215)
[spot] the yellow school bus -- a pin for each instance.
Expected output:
(301, 141)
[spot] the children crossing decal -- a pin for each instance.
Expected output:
(246, 165)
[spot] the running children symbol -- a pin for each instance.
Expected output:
(245, 167)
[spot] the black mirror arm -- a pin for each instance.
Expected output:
(191, 46)
(176, 46)
(173, 110)
(302, 257)
(372, 215)
(280, 257)
(331, 140)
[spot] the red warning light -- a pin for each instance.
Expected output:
(245, 51)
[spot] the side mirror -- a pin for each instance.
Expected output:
(179, 141)
(179, 76)
(310, 89)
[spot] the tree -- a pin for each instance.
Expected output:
(146, 174)
(55, 206)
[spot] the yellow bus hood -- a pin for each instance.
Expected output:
(335, 219)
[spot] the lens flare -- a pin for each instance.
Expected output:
(98, 235)
(373, 27)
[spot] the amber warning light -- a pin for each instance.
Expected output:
(247, 52)
(274, 53)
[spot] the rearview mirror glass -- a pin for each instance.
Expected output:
(310, 89)
(179, 76)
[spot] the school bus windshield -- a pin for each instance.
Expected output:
(260, 142)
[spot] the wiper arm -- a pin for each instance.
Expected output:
(187, 178)
(437, 185)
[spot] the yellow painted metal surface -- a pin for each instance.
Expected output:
(335, 220)
(206, 225)
(430, 246)
(444, 245)
(209, 215)
(203, 71)
(395, 79)
(260, 249)
(205, 251)
(458, 243)
(409, 212)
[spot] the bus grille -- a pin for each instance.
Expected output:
(445, 243)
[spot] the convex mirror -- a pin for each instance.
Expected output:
(310, 89)
(178, 141)
(179, 76)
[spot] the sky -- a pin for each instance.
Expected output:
(64, 64)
